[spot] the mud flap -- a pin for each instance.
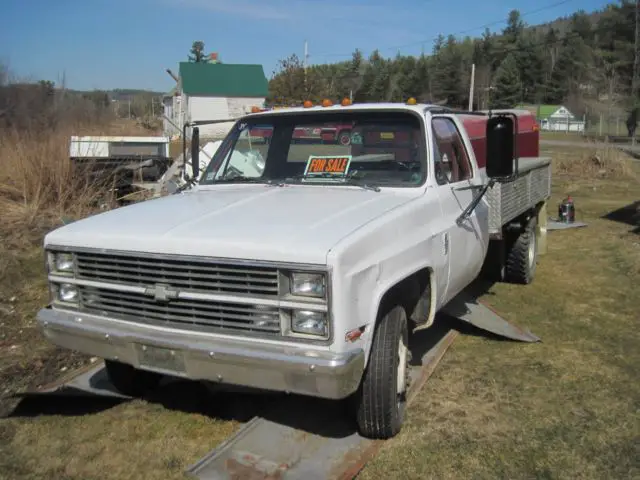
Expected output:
(468, 309)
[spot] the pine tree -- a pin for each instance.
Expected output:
(197, 52)
(447, 75)
(530, 60)
(507, 85)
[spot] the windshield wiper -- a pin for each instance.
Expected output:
(239, 179)
(349, 179)
(359, 182)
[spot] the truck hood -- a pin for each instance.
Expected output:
(282, 224)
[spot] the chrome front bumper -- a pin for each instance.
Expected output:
(201, 357)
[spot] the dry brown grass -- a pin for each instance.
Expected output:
(598, 162)
(38, 186)
(39, 191)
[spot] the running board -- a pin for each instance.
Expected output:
(468, 309)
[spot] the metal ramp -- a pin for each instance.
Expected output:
(311, 438)
(88, 381)
(467, 308)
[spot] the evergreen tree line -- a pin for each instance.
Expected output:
(587, 62)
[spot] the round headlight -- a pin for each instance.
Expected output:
(64, 262)
(68, 293)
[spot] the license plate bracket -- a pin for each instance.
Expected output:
(160, 358)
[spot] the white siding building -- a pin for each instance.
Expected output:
(213, 91)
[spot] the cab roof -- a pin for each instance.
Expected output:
(358, 107)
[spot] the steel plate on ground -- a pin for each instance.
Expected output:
(91, 380)
(556, 225)
(307, 438)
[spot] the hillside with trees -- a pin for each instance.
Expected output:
(585, 61)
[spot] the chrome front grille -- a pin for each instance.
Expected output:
(203, 315)
(184, 275)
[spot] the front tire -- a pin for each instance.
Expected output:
(129, 380)
(382, 396)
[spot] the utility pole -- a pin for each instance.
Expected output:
(636, 71)
(473, 77)
(306, 57)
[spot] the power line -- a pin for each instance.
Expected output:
(462, 32)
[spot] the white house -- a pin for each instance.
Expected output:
(213, 91)
(560, 119)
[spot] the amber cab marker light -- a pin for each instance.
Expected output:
(326, 102)
(346, 102)
(307, 104)
(536, 127)
(255, 109)
(411, 101)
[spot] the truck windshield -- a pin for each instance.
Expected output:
(383, 148)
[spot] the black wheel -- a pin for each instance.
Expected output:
(344, 138)
(129, 380)
(523, 255)
(381, 399)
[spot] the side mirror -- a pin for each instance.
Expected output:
(195, 152)
(500, 147)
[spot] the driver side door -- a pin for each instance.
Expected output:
(458, 184)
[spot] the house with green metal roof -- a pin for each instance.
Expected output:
(213, 91)
(555, 118)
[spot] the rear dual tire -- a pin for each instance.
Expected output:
(380, 401)
(513, 259)
(520, 265)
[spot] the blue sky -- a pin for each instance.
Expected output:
(130, 43)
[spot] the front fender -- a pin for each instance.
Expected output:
(360, 288)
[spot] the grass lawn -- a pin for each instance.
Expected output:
(568, 136)
(563, 408)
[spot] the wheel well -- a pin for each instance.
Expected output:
(413, 293)
(519, 223)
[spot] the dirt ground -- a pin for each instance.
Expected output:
(563, 408)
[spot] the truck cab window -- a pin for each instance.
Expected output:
(450, 155)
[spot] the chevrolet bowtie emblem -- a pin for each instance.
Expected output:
(161, 292)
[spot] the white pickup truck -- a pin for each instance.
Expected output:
(302, 268)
